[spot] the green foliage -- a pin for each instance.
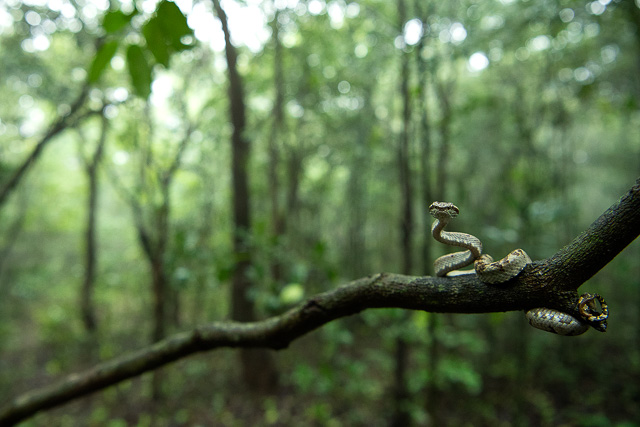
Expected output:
(173, 25)
(102, 59)
(165, 34)
(139, 70)
(153, 34)
(116, 20)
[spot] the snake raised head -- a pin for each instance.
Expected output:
(495, 272)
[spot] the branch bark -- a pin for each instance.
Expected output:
(549, 283)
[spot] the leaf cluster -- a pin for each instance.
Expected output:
(165, 33)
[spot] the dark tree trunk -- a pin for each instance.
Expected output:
(425, 146)
(426, 173)
(159, 285)
(404, 165)
(12, 233)
(278, 222)
(242, 306)
(445, 139)
(86, 298)
(155, 257)
(357, 190)
(258, 368)
(401, 416)
(205, 231)
(294, 171)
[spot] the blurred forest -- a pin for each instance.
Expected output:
(155, 178)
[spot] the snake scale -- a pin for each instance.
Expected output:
(592, 307)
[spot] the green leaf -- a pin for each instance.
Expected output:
(139, 70)
(173, 25)
(102, 58)
(156, 42)
(116, 20)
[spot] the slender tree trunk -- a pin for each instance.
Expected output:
(426, 148)
(205, 231)
(357, 190)
(294, 170)
(159, 284)
(445, 139)
(404, 165)
(258, 368)
(295, 154)
(401, 416)
(155, 252)
(155, 257)
(242, 306)
(278, 223)
(12, 233)
(426, 173)
(86, 299)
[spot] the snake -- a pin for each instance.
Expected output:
(592, 307)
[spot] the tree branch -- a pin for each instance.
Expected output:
(549, 283)
(599, 244)
(63, 122)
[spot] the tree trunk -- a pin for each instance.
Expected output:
(401, 416)
(258, 368)
(86, 297)
(445, 139)
(205, 231)
(159, 284)
(12, 233)
(357, 190)
(278, 223)
(404, 165)
(155, 257)
(426, 148)
(426, 173)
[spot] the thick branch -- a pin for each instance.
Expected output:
(539, 285)
(599, 244)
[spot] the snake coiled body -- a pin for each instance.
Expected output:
(496, 272)
(443, 212)
(555, 321)
(488, 270)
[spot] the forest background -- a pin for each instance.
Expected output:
(156, 177)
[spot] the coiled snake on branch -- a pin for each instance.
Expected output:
(592, 307)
